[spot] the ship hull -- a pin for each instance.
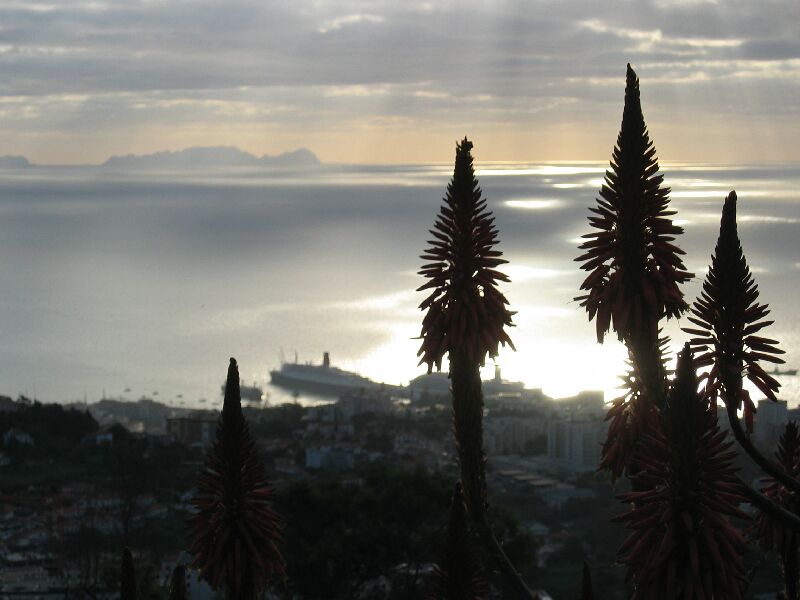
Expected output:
(325, 388)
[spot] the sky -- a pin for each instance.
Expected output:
(398, 82)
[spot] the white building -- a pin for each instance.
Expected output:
(510, 435)
(769, 423)
(576, 444)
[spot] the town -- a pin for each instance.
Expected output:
(80, 480)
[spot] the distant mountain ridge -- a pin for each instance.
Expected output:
(13, 162)
(211, 156)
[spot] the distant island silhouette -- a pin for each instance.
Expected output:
(13, 162)
(190, 158)
(212, 156)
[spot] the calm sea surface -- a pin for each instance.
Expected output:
(137, 284)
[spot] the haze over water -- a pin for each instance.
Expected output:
(150, 281)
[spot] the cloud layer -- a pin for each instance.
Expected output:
(390, 81)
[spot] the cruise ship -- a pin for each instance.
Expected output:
(320, 379)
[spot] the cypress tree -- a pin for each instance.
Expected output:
(234, 535)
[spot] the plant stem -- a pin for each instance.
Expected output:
(468, 426)
(760, 501)
(770, 467)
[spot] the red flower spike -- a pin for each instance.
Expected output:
(727, 317)
(630, 416)
(772, 534)
(465, 318)
(634, 271)
(634, 274)
(465, 310)
(459, 576)
(234, 535)
(682, 544)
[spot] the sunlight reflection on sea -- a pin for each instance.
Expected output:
(151, 281)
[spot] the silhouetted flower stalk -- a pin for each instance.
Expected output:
(177, 584)
(634, 272)
(465, 318)
(682, 544)
(630, 416)
(727, 318)
(127, 583)
(234, 534)
(459, 575)
(772, 533)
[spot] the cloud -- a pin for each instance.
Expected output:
(339, 22)
(293, 71)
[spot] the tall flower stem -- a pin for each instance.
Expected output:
(682, 543)
(235, 532)
(459, 575)
(465, 319)
(634, 273)
(773, 533)
(726, 318)
(770, 467)
(468, 425)
(466, 386)
(764, 504)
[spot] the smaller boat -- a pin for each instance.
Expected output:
(779, 372)
(248, 393)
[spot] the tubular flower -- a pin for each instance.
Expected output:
(634, 269)
(465, 310)
(459, 576)
(682, 544)
(233, 535)
(728, 318)
(630, 415)
(772, 534)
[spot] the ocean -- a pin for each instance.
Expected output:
(127, 285)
